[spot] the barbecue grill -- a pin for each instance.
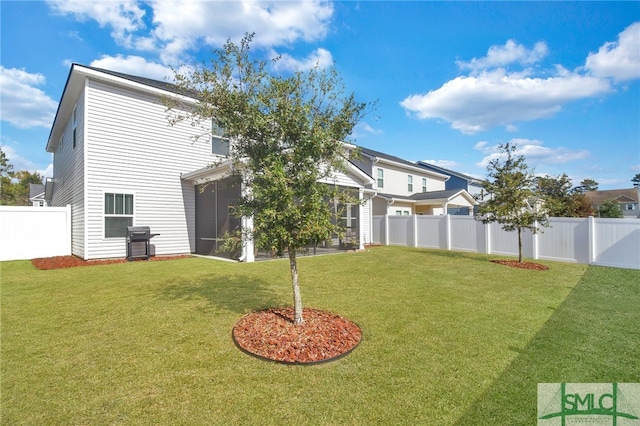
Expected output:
(138, 235)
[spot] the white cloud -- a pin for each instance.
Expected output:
(22, 103)
(134, 65)
(173, 27)
(124, 17)
(20, 163)
(493, 95)
(498, 98)
(367, 128)
(619, 60)
(320, 58)
(534, 152)
(447, 164)
(511, 52)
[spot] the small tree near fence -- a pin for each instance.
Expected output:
(513, 199)
(286, 136)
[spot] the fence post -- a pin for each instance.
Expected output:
(415, 230)
(447, 225)
(69, 232)
(386, 229)
(487, 239)
(592, 240)
(534, 241)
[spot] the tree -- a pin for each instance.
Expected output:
(514, 202)
(6, 186)
(610, 209)
(587, 185)
(21, 188)
(286, 135)
(636, 181)
(557, 194)
(561, 200)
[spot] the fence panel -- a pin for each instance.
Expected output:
(617, 243)
(432, 231)
(377, 232)
(467, 234)
(502, 242)
(32, 232)
(400, 230)
(606, 242)
(566, 239)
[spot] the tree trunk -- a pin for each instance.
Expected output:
(519, 245)
(297, 299)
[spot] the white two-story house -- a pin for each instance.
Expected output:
(403, 188)
(118, 163)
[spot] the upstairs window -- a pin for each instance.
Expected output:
(424, 184)
(75, 126)
(219, 142)
(380, 178)
(410, 183)
(118, 214)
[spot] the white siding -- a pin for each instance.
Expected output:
(132, 149)
(396, 182)
(68, 165)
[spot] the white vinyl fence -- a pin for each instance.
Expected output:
(604, 242)
(32, 232)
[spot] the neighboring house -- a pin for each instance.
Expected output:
(118, 162)
(403, 188)
(36, 195)
(458, 180)
(626, 199)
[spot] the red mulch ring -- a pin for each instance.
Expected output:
(61, 262)
(522, 265)
(272, 335)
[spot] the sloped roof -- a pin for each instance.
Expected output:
(436, 195)
(35, 189)
(617, 195)
(402, 162)
(447, 194)
(158, 84)
(372, 153)
(468, 178)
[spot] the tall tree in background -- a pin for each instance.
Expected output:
(561, 200)
(587, 185)
(636, 181)
(557, 195)
(14, 186)
(286, 135)
(514, 201)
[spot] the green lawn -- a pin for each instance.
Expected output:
(448, 338)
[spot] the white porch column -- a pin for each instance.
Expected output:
(361, 220)
(248, 246)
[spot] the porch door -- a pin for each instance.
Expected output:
(213, 217)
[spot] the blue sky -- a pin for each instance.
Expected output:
(452, 80)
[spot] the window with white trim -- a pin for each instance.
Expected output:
(409, 183)
(219, 141)
(424, 184)
(380, 178)
(118, 214)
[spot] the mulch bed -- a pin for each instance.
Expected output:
(271, 334)
(522, 265)
(61, 262)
